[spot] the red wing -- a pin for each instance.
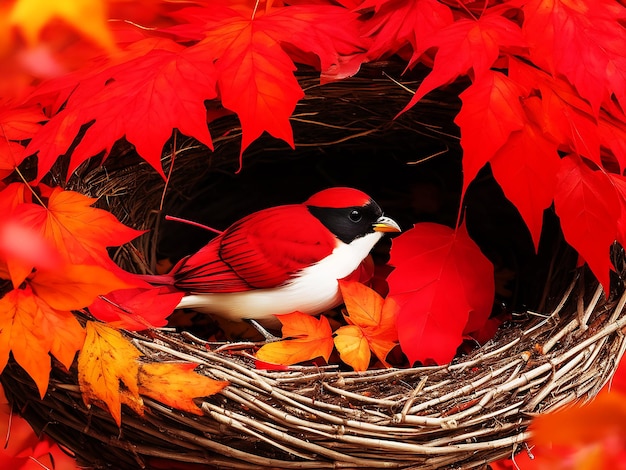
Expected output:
(262, 250)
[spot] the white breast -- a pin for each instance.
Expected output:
(313, 291)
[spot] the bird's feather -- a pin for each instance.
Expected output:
(263, 250)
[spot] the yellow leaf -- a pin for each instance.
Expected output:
(108, 362)
(310, 338)
(89, 17)
(353, 347)
(176, 384)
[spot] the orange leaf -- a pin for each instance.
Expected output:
(67, 336)
(74, 286)
(353, 347)
(23, 247)
(20, 123)
(604, 416)
(80, 233)
(363, 304)
(30, 329)
(21, 334)
(310, 338)
(372, 326)
(108, 362)
(89, 17)
(585, 437)
(176, 384)
(20, 245)
(25, 450)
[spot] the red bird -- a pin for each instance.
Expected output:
(282, 259)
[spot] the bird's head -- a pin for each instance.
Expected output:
(349, 213)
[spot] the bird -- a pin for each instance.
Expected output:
(281, 259)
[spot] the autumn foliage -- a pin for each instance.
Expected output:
(543, 107)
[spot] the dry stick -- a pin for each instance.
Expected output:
(620, 353)
(283, 416)
(245, 425)
(223, 373)
(474, 434)
(502, 411)
(479, 360)
(405, 447)
(229, 365)
(557, 309)
(608, 329)
(413, 396)
(462, 390)
(357, 397)
(571, 326)
(227, 417)
(296, 396)
(226, 451)
(593, 303)
(596, 350)
(550, 384)
(617, 311)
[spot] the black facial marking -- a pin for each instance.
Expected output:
(348, 223)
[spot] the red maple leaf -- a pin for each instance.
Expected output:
(157, 85)
(612, 132)
(16, 124)
(468, 44)
(152, 88)
(589, 209)
(254, 59)
(564, 116)
(582, 40)
(136, 309)
(525, 167)
(619, 182)
(491, 112)
(440, 278)
(398, 23)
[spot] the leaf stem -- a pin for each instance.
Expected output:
(169, 172)
(17, 170)
(256, 6)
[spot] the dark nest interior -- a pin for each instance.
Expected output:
(561, 342)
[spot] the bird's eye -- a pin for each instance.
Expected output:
(355, 216)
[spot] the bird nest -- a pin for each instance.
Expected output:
(465, 414)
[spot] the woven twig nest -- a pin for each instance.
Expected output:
(465, 414)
